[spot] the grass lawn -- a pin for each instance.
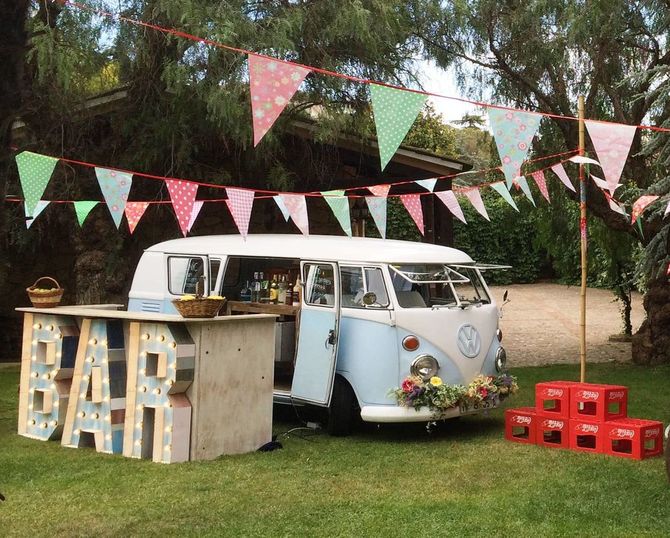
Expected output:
(463, 479)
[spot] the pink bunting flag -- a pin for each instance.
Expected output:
(412, 203)
(667, 210)
(240, 202)
(272, 85)
(541, 183)
(449, 199)
(562, 175)
(380, 190)
(182, 194)
(614, 206)
(197, 206)
(475, 198)
(134, 212)
(612, 143)
(640, 205)
(297, 208)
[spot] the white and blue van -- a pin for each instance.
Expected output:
(370, 313)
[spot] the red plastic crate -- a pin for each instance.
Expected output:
(553, 398)
(520, 425)
(589, 401)
(552, 431)
(586, 436)
(634, 438)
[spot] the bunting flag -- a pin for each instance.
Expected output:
(541, 183)
(513, 131)
(667, 210)
(394, 112)
(34, 172)
(115, 187)
(614, 206)
(428, 184)
(475, 198)
(297, 208)
(197, 206)
(82, 209)
(339, 205)
(282, 207)
(377, 207)
(240, 203)
(272, 85)
(134, 212)
(612, 143)
(412, 203)
(41, 204)
(449, 199)
(182, 194)
(523, 183)
(502, 191)
(603, 184)
(562, 175)
(379, 190)
(580, 159)
(640, 205)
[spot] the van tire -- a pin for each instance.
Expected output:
(343, 411)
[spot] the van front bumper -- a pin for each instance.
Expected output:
(396, 413)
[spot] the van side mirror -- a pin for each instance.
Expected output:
(370, 298)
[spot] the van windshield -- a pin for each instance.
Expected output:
(436, 285)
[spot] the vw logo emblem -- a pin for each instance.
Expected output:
(469, 341)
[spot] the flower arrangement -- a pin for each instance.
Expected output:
(484, 391)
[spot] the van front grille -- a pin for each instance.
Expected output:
(150, 307)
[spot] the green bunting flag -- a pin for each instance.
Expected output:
(339, 205)
(523, 183)
(502, 191)
(82, 209)
(394, 112)
(34, 172)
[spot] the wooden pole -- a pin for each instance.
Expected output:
(582, 231)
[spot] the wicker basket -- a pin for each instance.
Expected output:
(48, 298)
(199, 308)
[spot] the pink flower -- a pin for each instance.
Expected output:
(484, 392)
(407, 385)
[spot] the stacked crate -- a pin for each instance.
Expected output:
(586, 417)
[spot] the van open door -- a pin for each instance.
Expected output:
(317, 340)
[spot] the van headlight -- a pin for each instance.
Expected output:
(501, 359)
(424, 366)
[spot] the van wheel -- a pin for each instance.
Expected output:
(343, 411)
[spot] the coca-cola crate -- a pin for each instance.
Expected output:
(634, 438)
(552, 431)
(520, 425)
(586, 436)
(553, 398)
(589, 401)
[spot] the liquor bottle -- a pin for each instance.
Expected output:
(255, 289)
(288, 299)
(245, 294)
(296, 292)
(281, 296)
(274, 290)
(265, 287)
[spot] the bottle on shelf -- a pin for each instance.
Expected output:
(245, 294)
(274, 290)
(265, 287)
(282, 285)
(255, 289)
(296, 292)
(288, 299)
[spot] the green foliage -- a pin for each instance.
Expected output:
(399, 223)
(429, 132)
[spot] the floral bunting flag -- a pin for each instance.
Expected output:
(34, 172)
(240, 202)
(394, 112)
(502, 191)
(134, 212)
(182, 194)
(377, 207)
(282, 207)
(339, 205)
(297, 208)
(82, 209)
(513, 131)
(197, 206)
(272, 85)
(562, 175)
(412, 203)
(380, 190)
(38, 209)
(449, 199)
(523, 183)
(640, 205)
(541, 183)
(475, 198)
(115, 187)
(428, 184)
(612, 143)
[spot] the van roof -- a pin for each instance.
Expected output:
(316, 247)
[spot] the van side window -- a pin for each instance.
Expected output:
(214, 267)
(319, 285)
(357, 281)
(184, 274)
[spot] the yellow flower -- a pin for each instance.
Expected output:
(187, 298)
(435, 381)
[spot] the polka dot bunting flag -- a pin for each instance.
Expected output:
(182, 194)
(115, 187)
(513, 131)
(475, 198)
(394, 112)
(134, 212)
(379, 190)
(34, 172)
(297, 208)
(197, 206)
(541, 182)
(377, 207)
(449, 199)
(612, 143)
(240, 203)
(339, 205)
(272, 85)
(562, 175)
(412, 203)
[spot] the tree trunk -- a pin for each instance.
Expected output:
(651, 344)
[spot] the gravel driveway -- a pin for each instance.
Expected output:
(540, 324)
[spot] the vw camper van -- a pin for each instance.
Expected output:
(355, 315)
